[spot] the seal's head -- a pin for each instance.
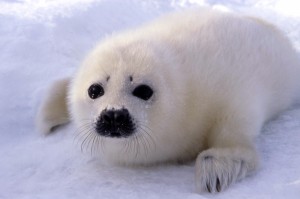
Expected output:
(125, 99)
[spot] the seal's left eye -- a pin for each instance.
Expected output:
(143, 92)
(95, 91)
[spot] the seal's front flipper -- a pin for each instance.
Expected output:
(53, 111)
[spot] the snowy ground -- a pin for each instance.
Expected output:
(42, 40)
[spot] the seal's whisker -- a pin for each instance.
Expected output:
(86, 138)
(82, 133)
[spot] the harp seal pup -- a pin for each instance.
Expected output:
(194, 85)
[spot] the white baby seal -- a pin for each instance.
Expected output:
(191, 85)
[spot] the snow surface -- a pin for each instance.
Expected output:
(42, 40)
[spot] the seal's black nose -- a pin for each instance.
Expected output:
(115, 123)
(115, 117)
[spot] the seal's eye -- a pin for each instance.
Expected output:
(143, 91)
(95, 91)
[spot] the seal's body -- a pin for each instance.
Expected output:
(192, 85)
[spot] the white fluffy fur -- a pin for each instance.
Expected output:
(53, 110)
(217, 77)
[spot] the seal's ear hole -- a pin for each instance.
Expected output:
(143, 92)
(95, 91)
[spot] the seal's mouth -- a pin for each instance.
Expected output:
(115, 133)
(115, 123)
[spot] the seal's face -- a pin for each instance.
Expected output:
(129, 105)
(116, 101)
(114, 121)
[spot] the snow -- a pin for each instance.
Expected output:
(43, 40)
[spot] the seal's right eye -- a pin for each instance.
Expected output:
(95, 91)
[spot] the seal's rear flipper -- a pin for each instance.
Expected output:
(53, 111)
